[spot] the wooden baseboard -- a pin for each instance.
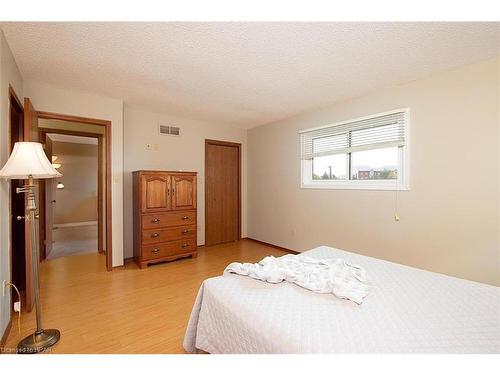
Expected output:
(270, 244)
(6, 334)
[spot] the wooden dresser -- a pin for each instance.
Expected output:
(164, 216)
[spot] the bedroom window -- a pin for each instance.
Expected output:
(366, 153)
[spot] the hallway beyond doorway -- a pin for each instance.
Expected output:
(79, 238)
(72, 201)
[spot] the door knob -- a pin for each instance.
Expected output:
(54, 201)
(20, 217)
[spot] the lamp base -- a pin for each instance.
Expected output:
(38, 341)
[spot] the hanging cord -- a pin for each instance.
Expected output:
(396, 210)
(19, 312)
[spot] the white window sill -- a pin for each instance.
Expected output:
(356, 186)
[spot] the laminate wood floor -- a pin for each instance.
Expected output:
(127, 310)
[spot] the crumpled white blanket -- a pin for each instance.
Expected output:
(336, 276)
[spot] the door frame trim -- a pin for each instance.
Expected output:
(13, 95)
(13, 99)
(227, 144)
(43, 203)
(107, 136)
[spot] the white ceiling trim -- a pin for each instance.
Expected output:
(72, 139)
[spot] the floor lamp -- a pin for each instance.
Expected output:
(28, 161)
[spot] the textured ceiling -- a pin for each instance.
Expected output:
(242, 74)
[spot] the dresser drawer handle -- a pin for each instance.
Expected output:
(155, 251)
(155, 220)
(185, 218)
(155, 235)
(184, 245)
(185, 231)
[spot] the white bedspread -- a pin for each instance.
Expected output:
(408, 310)
(335, 276)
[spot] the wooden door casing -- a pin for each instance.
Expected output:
(156, 191)
(183, 192)
(104, 225)
(17, 204)
(222, 192)
(100, 194)
(48, 217)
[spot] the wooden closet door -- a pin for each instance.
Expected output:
(222, 192)
(183, 192)
(155, 192)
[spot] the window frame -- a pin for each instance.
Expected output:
(401, 184)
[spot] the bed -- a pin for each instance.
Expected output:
(407, 311)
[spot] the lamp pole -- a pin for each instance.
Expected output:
(41, 339)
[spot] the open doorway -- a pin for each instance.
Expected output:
(76, 217)
(27, 124)
(72, 212)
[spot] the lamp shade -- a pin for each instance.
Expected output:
(28, 159)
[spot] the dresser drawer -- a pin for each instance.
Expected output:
(169, 249)
(151, 236)
(167, 219)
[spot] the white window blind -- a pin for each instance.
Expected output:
(380, 131)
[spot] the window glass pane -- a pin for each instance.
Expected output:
(331, 167)
(379, 164)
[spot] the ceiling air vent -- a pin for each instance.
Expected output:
(169, 130)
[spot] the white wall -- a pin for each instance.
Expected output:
(77, 202)
(449, 218)
(9, 74)
(53, 99)
(186, 152)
